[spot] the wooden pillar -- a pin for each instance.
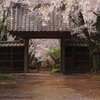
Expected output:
(63, 55)
(26, 46)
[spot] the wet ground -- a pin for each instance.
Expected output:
(51, 86)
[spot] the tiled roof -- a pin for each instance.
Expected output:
(23, 21)
(11, 44)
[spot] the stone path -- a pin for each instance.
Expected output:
(40, 86)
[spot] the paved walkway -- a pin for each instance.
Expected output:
(41, 86)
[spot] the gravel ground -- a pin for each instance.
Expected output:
(46, 86)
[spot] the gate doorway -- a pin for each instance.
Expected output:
(44, 55)
(62, 64)
(26, 35)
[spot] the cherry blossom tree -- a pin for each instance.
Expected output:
(4, 13)
(39, 47)
(86, 25)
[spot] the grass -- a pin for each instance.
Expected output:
(6, 77)
(96, 77)
(55, 70)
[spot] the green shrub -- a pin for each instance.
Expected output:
(55, 54)
(6, 77)
(55, 70)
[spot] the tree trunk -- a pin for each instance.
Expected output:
(96, 64)
(94, 52)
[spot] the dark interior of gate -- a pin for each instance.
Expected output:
(11, 57)
(77, 57)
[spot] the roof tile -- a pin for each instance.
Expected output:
(11, 44)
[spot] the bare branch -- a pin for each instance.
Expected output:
(95, 13)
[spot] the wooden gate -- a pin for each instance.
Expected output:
(77, 57)
(11, 57)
